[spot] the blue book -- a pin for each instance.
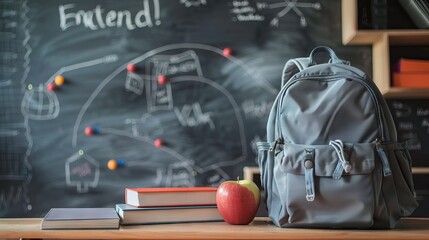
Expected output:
(130, 215)
(80, 218)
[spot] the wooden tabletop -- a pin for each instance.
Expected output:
(410, 228)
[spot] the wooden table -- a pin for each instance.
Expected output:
(410, 228)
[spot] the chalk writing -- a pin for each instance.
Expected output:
(406, 126)
(401, 110)
(100, 18)
(193, 3)
(425, 122)
(244, 12)
(256, 110)
(422, 112)
(187, 119)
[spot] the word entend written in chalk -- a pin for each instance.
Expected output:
(99, 18)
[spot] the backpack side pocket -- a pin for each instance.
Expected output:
(400, 163)
(263, 151)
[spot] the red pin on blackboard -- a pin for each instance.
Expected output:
(131, 68)
(158, 143)
(227, 52)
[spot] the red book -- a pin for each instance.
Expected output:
(413, 65)
(161, 197)
(411, 80)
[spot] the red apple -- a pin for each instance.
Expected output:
(238, 201)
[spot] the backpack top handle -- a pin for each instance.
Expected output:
(327, 50)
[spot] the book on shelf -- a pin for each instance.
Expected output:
(80, 218)
(411, 80)
(181, 196)
(412, 65)
(161, 215)
(418, 10)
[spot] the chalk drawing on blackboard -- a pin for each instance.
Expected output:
(82, 171)
(134, 83)
(11, 196)
(147, 140)
(180, 175)
(5, 83)
(288, 6)
(182, 69)
(16, 142)
(102, 60)
(177, 174)
(147, 125)
(193, 3)
(191, 115)
(216, 178)
(25, 42)
(40, 104)
(232, 102)
(401, 110)
(159, 96)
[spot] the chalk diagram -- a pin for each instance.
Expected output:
(82, 171)
(287, 7)
(187, 112)
(40, 104)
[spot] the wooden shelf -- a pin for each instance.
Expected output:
(380, 41)
(420, 170)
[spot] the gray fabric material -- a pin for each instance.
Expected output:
(318, 104)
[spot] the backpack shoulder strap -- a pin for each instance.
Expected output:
(292, 67)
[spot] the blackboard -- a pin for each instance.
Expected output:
(209, 114)
(411, 118)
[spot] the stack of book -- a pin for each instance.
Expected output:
(168, 205)
(411, 73)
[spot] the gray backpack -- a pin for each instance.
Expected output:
(332, 159)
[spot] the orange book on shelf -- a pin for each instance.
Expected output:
(411, 80)
(412, 65)
(180, 196)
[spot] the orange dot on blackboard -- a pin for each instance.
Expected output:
(112, 164)
(59, 80)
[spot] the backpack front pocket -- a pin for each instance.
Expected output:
(328, 185)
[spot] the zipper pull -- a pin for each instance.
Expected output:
(274, 145)
(384, 158)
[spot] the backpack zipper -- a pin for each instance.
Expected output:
(367, 85)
